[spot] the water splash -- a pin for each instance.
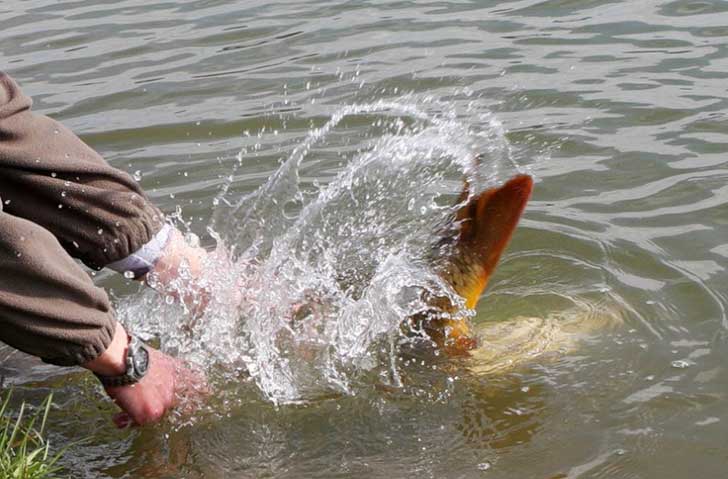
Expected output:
(311, 286)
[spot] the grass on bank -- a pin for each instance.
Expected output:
(24, 451)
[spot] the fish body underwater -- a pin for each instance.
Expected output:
(472, 242)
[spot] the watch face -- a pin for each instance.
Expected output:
(140, 360)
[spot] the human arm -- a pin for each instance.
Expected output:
(98, 213)
(61, 198)
(51, 309)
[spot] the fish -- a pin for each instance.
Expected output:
(465, 257)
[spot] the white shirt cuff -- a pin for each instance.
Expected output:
(142, 261)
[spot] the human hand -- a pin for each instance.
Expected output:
(167, 384)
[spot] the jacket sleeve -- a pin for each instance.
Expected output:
(49, 176)
(49, 307)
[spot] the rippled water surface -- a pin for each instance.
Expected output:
(319, 144)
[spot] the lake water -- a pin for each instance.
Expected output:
(319, 139)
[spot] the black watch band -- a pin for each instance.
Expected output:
(137, 365)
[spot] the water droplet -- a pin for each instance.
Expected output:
(60, 206)
(169, 299)
(54, 174)
(100, 231)
(484, 466)
(63, 194)
(681, 364)
(129, 274)
(137, 175)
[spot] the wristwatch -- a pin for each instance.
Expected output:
(137, 365)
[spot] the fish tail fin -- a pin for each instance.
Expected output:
(482, 228)
(486, 225)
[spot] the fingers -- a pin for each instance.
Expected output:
(140, 405)
(122, 420)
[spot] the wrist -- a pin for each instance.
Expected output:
(179, 273)
(112, 361)
(176, 257)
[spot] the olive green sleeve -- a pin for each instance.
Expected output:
(49, 307)
(49, 176)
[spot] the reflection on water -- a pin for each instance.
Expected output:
(605, 322)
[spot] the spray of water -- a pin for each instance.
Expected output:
(311, 287)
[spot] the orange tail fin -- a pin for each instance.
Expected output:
(483, 227)
(487, 223)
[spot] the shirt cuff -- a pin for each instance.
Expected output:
(143, 261)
